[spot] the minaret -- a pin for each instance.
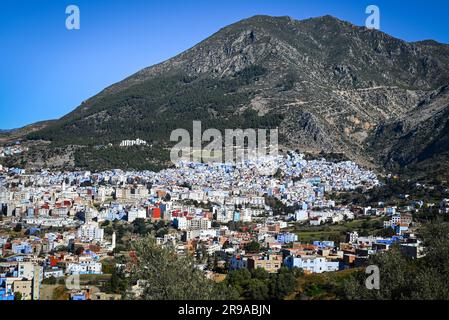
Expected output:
(113, 241)
(36, 282)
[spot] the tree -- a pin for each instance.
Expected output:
(108, 266)
(253, 247)
(118, 249)
(260, 273)
(50, 280)
(257, 290)
(365, 224)
(387, 232)
(121, 231)
(227, 245)
(160, 224)
(18, 227)
(79, 251)
(258, 284)
(283, 284)
(118, 284)
(239, 279)
(108, 230)
(404, 278)
(168, 276)
(395, 279)
(140, 227)
(201, 253)
(161, 232)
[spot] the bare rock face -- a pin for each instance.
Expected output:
(326, 84)
(419, 140)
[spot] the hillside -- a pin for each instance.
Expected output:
(327, 84)
(418, 142)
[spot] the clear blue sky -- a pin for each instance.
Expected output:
(46, 70)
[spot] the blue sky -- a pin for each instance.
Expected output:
(46, 70)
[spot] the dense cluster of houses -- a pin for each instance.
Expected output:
(198, 201)
(15, 149)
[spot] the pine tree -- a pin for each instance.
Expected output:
(168, 276)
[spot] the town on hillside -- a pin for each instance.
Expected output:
(60, 226)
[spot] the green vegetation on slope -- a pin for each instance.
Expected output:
(151, 111)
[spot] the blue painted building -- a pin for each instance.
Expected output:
(78, 297)
(324, 244)
(6, 296)
(23, 247)
(287, 238)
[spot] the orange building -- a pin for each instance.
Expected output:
(156, 213)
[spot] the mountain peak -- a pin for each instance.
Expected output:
(267, 20)
(325, 82)
(354, 55)
(430, 43)
(325, 18)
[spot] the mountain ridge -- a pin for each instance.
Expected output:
(327, 84)
(155, 69)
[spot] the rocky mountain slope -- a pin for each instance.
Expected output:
(326, 84)
(418, 142)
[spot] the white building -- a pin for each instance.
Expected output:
(198, 224)
(317, 221)
(54, 272)
(90, 232)
(312, 264)
(83, 267)
(181, 223)
(130, 143)
(26, 270)
(353, 237)
(136, 214)
(224, 215)
(301, 215)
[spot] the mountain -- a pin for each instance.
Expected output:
(418, 142)
(327, 84)
(15, 134)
